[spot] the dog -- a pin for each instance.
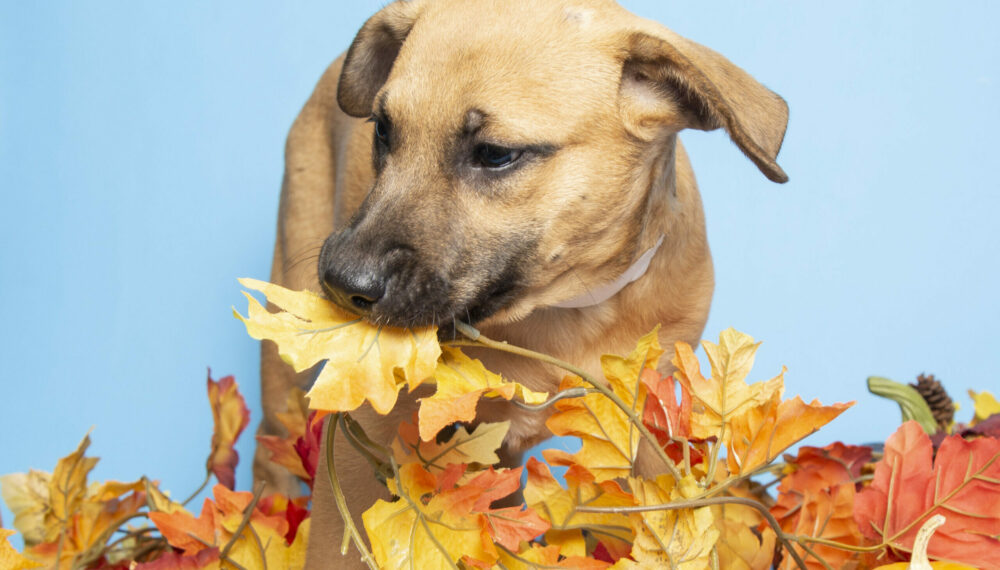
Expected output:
(514, 165)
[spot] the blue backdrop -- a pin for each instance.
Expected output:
(141, 157)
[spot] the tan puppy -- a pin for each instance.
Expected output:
(489, 161)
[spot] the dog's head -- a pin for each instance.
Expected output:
(517, 146)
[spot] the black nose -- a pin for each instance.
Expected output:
(355, 291)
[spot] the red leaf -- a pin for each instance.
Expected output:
(666, 418)
(175, 561)
(231, 416)
(663, 412)
(963, 485)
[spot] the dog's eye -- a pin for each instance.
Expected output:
(493, 156)
(381, 130)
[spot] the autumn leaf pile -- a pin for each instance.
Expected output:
(690, 470)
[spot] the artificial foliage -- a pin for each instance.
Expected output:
(691, 470)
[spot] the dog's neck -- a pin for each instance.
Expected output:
(601, 294)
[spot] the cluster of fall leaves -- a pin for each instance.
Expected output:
(672, 472)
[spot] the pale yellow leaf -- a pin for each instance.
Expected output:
(476, 448)
(27, 496)
(726, 394)
(362, 362)
(681, 539)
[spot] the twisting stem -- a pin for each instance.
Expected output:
(698, 503)
(571, 393)
(338, 495)
(477, 339)
(208, 477)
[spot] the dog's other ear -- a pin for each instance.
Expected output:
(670, 81)
(372, 54)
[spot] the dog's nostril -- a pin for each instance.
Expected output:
(361, 302)
(354, 291)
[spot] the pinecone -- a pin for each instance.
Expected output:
(937, 398)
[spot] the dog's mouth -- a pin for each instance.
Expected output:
(431, 308)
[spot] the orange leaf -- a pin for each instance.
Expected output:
(816, 499)
(558, 505)
(183, 531)
(218, 521)
(763, 432)
(231, 416)
(962, 483)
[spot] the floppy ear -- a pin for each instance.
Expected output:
(372, 54)
(670, 81)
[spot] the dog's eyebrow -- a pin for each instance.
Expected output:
(380, 105)
(474, 120)
(477, 120)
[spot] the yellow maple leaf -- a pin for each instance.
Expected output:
(68, 489)
(476, 448)
(739, 546)
(985, 405)
(533, 556)
(262, 546)
(159, 501)
(725, 395)
(559, 506)
(461, 381)
(11, 559)
(609, 439)
(682, 539)
(412, 533)
(362, 361)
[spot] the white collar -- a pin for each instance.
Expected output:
(605, 292)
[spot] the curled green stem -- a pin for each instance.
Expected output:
(338, 495)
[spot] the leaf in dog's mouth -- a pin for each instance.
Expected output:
(362, 361)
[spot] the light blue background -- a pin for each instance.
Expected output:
(141, 156)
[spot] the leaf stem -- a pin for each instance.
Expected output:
(698, 503)
(247, 514)
(477, 339)
(208, 477)
(338, 495)
(571, 393)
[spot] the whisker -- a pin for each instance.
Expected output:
(307, 253)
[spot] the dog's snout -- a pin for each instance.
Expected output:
(354, 290)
